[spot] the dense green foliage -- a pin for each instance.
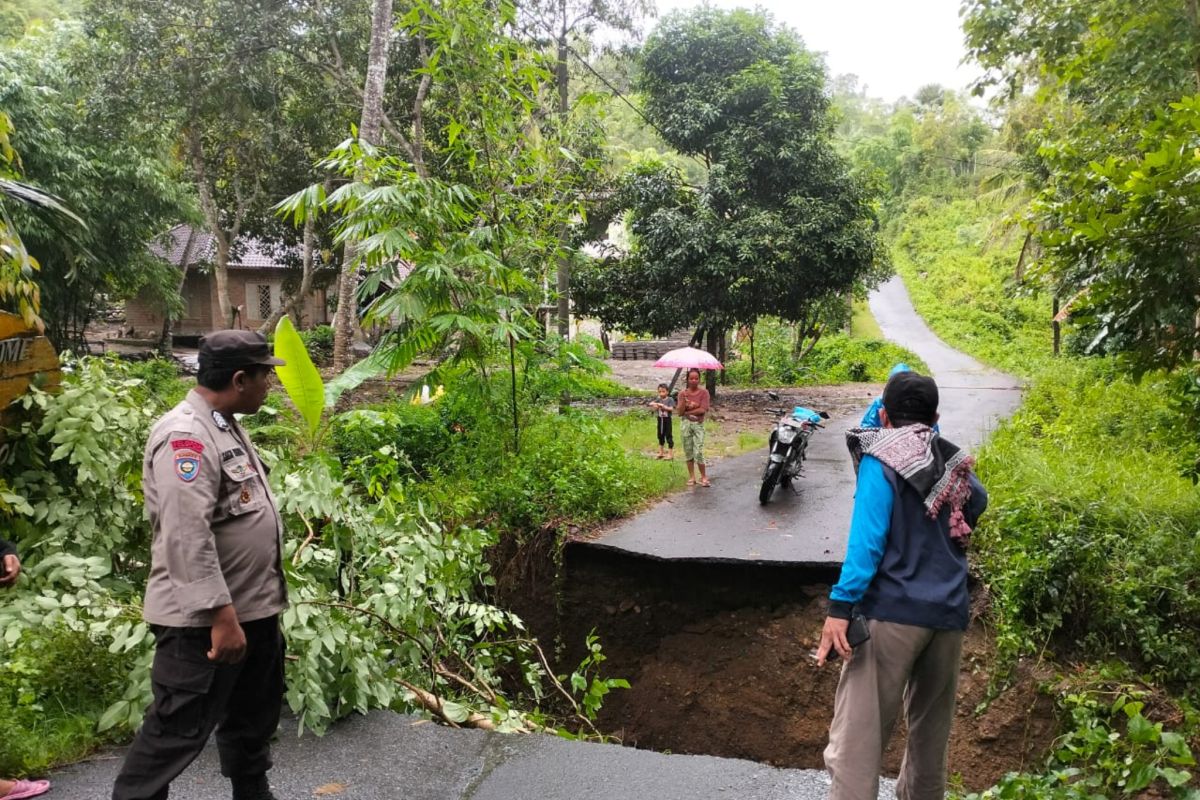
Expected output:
(18, 16)
(67, 150)
(836, 358)
(54, 684)
(1110, 151)
(1089, 544)
(1110, 750)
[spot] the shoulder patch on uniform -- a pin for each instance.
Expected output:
(220, 420)
(187, 465)
(187, 444)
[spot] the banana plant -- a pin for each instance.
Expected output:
(309, 393)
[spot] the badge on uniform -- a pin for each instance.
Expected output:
(219, 418)
(187, 464)
(240, 471)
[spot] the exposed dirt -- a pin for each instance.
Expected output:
(719, 659)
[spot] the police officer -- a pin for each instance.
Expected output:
(216, 585)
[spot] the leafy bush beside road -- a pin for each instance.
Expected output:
(1090, 541)
(389, 518)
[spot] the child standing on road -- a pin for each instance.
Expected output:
(663, 406)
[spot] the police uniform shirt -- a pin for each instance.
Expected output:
(217, 533)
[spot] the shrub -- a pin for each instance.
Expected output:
(54, 683)
(162, 385)
(1091, 534)
(416, 434)
(319, 341)
(570, 470)
(1110, 750)
(837, 358)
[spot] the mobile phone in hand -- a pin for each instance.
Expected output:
(856, 634)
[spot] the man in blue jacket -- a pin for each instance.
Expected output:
(906, 573)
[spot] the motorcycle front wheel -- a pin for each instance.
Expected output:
(770, 478)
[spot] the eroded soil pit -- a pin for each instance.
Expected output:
(719, 661)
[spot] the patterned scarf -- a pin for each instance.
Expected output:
(937, 469)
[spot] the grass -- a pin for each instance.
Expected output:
(862, 322)
(635, 433)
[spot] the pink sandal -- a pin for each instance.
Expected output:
(23, 789)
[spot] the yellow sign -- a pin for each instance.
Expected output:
(26, 358)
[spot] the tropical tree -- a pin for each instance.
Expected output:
(563, 24)
(125, 194)
(454, 260)
(216, 79)
(780, 225)
(370, 127)
(1110, 159)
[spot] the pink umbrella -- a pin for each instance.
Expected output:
(688, 358)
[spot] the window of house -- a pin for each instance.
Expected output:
(262, 299)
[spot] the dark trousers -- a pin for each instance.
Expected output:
(192, 696)
(665, 435)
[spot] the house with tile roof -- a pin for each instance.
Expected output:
(256, 277)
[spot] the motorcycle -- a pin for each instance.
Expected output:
(788, 446)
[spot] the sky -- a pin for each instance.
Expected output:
(893, 46)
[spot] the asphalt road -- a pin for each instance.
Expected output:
(385, 756)
(973, 398)
(809, 527)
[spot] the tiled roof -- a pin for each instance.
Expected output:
(248, 252)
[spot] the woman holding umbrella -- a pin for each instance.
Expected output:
(692, 407)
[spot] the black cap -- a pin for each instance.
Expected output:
(233, 349)
(911, 396)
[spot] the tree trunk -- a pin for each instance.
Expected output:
(295, 303)
(221, 281)
(370, 124)
(714, 339)
(212, 216)
(164, 339)
(721, 356)
(816, 337)
(1056, 326)
(753, 373)
(562, 79)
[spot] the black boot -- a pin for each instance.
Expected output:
(255, 787)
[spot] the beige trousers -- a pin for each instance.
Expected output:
(918, 666)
